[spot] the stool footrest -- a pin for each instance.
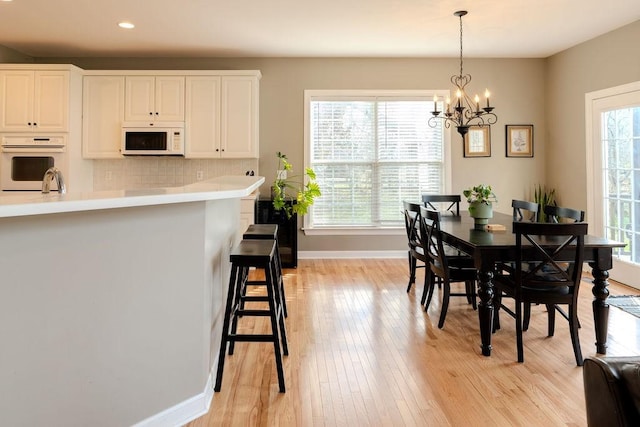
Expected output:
(254, 298)
(245, 312)
(255, 283)
(251, 338)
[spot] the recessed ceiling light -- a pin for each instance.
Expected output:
(127, 25)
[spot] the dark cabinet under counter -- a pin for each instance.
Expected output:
(287, 230)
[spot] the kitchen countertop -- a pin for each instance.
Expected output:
(224, 187)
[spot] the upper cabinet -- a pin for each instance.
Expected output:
(103, 113)
(34, 101)
(154, 98)
(219, 110)
(222, 116)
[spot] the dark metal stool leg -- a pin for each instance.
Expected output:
(273, 307)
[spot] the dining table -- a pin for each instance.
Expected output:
(498, 245)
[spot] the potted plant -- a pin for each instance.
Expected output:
(543, 197)
(290, 194)
(480, 200)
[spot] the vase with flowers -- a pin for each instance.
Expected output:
(480, 200)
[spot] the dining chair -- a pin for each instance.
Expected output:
(559, 214)
(520, 208)
(451, 201)
(442, 268)
(548, 282)
(414, 252)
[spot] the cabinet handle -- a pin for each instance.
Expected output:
(150, 113)
(157, 113)
(217, 149)
(28, 123)
(35, 124)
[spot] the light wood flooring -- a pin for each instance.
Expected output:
(364, 353)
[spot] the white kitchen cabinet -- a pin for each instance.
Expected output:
(202, 117)
(154, 98)
(239, 117)
(247, 213)
(221, 117)
(34, 101)
(102, 116)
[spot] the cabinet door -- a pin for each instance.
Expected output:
(140, 98)
(102, 116)
(16, 94)
(239, 126)
(202, 117)
(51, 101)
(169, 98)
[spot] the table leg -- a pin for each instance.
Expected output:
(485, 309)
(600, 307)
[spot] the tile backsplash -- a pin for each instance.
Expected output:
(149, 172)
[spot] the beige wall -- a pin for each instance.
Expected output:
(517, 87)
(10, 55)
(606, 61)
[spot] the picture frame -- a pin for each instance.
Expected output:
(477, 142)
(519, 140)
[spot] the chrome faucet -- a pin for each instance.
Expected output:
(51, 174)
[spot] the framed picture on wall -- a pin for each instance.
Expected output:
(477, 142)
(519, 140)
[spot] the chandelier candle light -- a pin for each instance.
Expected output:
(466, 112)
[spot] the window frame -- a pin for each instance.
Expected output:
(354, 95)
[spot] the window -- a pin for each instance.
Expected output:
(371, 151)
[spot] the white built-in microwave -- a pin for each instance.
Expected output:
(166, 139)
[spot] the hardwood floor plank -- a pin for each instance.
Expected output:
(363, 352)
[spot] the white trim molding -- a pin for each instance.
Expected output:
(351, 254)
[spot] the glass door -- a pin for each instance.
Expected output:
(615, 195)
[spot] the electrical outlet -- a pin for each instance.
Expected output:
(282, 174)
(199, 175)
(107, 176)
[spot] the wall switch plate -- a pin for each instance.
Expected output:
(108, 176)
(199, 175)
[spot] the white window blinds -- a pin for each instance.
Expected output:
(370, 154)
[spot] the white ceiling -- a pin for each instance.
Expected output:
(303, 28)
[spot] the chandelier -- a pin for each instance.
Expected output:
(465, 112)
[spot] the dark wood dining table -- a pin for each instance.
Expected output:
(490, 247)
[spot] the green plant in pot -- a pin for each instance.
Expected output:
(543, 197)
(480, 200)
(289, 193)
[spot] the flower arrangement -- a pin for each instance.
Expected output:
(480, 193)
(283, 187)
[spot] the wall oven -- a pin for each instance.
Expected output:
(25, 159)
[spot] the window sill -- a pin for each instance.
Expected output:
(354, 231)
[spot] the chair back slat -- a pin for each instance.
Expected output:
(558, 254)
(453, 201)
(412, 224)
(556, 214)
(432, 241)
(522, 205)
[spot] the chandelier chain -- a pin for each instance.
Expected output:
(460, 44)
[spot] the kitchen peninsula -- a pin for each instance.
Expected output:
(111, 302)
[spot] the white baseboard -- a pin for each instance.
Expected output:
(186, 411)
(351, 254)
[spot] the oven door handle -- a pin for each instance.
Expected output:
(31, 149)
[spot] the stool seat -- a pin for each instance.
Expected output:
(261, 231)
(252, 252)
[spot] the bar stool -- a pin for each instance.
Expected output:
(269, 232)
(259, 254)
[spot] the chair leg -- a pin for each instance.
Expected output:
(445, 303)
(575, 338)
(527, 316)
(426, 285)
(497, 301)
(432, 286)
(519, 343)
(551, 311)
(412, 271)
